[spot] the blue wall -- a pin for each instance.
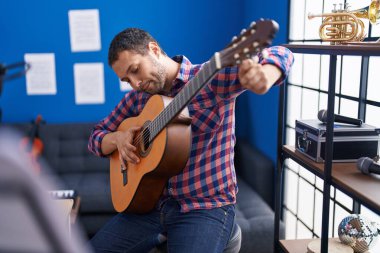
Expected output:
(260, 127)
(195, 28)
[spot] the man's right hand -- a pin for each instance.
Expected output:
(126, 147)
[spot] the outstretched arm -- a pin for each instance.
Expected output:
(259, 75)
(258, 78)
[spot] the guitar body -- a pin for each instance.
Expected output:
(138, 189)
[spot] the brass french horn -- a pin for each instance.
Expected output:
(343, 26)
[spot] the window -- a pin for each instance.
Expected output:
(306, 95)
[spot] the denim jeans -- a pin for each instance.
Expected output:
(195, 231)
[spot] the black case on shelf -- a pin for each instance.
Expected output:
(350, 142)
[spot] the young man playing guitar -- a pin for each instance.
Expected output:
(195, 211)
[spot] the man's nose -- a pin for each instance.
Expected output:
(138, 84)
(135, 83)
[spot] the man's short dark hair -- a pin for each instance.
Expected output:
(131, 39)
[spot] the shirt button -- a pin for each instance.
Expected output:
(170, 190)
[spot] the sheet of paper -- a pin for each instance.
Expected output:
(41, 77)
(125, 86)
(89, 83)
(84, 30)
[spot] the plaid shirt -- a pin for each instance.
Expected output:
(209, 178)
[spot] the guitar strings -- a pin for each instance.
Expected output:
(164, 114)
(153, 124)
(149, 128)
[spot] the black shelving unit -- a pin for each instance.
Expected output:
(343, 176)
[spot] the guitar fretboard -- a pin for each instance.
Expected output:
(179, 102)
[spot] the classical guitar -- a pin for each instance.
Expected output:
(164, 141)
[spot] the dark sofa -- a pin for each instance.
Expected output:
(65, 151)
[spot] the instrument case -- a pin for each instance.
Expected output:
(349, 142)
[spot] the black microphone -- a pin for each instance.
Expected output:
(322, 116)
(366, 165)
(22, 66)
(4, 76)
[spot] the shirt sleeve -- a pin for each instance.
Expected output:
(226, 82)
(280, 57)
(127, 107)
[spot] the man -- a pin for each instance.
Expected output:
(196, 211)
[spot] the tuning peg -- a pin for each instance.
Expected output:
(243, 31)
(253, 24)
(234, 38)
(237, 58)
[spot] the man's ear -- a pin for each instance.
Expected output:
(154, 48)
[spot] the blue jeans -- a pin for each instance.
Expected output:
(196, 231)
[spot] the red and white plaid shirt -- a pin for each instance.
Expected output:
(209, 178)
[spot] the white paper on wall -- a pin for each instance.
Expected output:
(89, 83)
(41, 77)
(84, 30)
(125, 86)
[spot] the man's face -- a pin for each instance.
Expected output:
(142, 72)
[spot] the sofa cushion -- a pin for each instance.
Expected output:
(249, 202)
(256, 220)
(256, 169)
(65, 149)
(94, 190)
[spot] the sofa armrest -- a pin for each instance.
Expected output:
(256, 169)
(256, 220)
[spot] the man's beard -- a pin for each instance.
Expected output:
(159, 75)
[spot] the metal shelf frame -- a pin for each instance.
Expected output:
(333, 50)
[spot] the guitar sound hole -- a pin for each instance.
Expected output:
(145, 144)
(146, 135)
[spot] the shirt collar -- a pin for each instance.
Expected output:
(183, 76)
(184, 70)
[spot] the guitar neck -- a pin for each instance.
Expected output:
(180, 101)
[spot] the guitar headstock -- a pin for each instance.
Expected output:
(251, 41)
